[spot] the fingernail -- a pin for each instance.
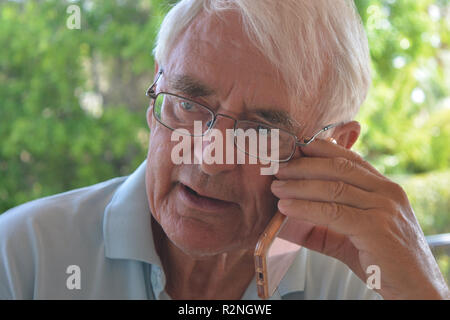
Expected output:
(278, 183)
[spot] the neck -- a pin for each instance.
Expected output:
(221, 276)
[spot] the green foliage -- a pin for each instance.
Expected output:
(52, 141)
(409, 50)
(406, 117)
(49, 144)
(429, 195)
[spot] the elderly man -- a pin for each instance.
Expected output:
(188, 230)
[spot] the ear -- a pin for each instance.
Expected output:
(346, 135)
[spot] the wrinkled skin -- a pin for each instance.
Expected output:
(337, 203)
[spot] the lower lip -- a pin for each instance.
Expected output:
(195, 201)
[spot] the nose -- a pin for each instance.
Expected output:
(217, 152)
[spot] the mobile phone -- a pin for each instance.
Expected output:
(273, 256)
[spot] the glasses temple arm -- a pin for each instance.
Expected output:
(326, 128)
(151, 90)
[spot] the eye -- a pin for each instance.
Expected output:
(186, 105)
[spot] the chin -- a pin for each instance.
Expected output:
(200, 239)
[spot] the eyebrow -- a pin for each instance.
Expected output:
(276, 117)
(190, 86)
(194, 88)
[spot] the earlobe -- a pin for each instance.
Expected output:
(347, 135)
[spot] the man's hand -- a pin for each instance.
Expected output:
(341, 206)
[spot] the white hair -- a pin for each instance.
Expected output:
(318, 46)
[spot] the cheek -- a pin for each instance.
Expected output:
(159, 169)
(245, 228)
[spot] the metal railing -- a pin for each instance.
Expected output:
(440, 246)
(439, 242)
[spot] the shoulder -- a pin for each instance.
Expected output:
(52, 213)
(33, 232)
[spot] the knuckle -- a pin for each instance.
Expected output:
(396, 192)
(331, 210)
(343, 165)
(338, 189)
(390, 218)
(359, 162)
(395, 209)
(401, 193)
(391, 206)
(381, 222)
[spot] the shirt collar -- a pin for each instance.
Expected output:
(127, 222)
(128, 235)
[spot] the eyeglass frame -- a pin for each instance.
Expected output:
(153, 95)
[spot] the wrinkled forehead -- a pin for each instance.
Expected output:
(215, 50)
(227, 27)
(223, 35)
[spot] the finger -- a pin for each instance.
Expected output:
(326, 149)
(323, 240)
(333, 169)
(336, 245)
(328, 191)
(339, 218)
(309, 235)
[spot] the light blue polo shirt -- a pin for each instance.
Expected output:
(97, 243)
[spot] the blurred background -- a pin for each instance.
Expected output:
(72, 102)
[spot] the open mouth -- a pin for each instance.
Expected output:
(191, 191)
(196, 194)
(198, 201)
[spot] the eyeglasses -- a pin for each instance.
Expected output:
(181, 114)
